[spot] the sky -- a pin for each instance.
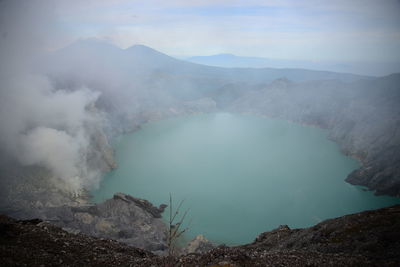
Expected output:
(314, 30)
(311, 29)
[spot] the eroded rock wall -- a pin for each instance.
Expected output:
(362, 117)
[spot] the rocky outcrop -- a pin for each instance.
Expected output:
(199, 245)
(368, 238)
(124, 218)
(142, 203)
(101, 155)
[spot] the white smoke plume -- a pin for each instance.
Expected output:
(41, 125)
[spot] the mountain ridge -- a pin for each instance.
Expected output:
(146, 51)
(374, 69)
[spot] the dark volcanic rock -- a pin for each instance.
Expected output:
(144, 204)
(124, 218)
(370, 238)
(37, 243)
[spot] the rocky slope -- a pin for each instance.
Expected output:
(368, 238)
(28, 192)
(124, 218)
(362, 117)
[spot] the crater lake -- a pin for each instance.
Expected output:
(238, 174)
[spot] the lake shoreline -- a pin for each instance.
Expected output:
(221, 118)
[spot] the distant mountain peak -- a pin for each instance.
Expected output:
(143, 49)
(140, 46)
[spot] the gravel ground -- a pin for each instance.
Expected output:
(369, 238)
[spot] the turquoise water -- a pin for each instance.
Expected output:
(240, 175)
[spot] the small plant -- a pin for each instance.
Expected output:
(175, 230)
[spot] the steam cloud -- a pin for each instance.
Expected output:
(41, 125)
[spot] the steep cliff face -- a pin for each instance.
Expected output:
(101, 154)
(362, 117)
(369, 127)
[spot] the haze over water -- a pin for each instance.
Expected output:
(240, 175)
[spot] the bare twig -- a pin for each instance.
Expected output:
(174, 229)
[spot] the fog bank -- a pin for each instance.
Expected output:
(42, 124)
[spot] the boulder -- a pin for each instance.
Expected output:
(198, 245)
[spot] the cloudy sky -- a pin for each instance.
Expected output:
(313, 30)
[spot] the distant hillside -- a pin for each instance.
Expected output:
(233, 61)
(139, 57)
(363, 117)
(90, 61)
